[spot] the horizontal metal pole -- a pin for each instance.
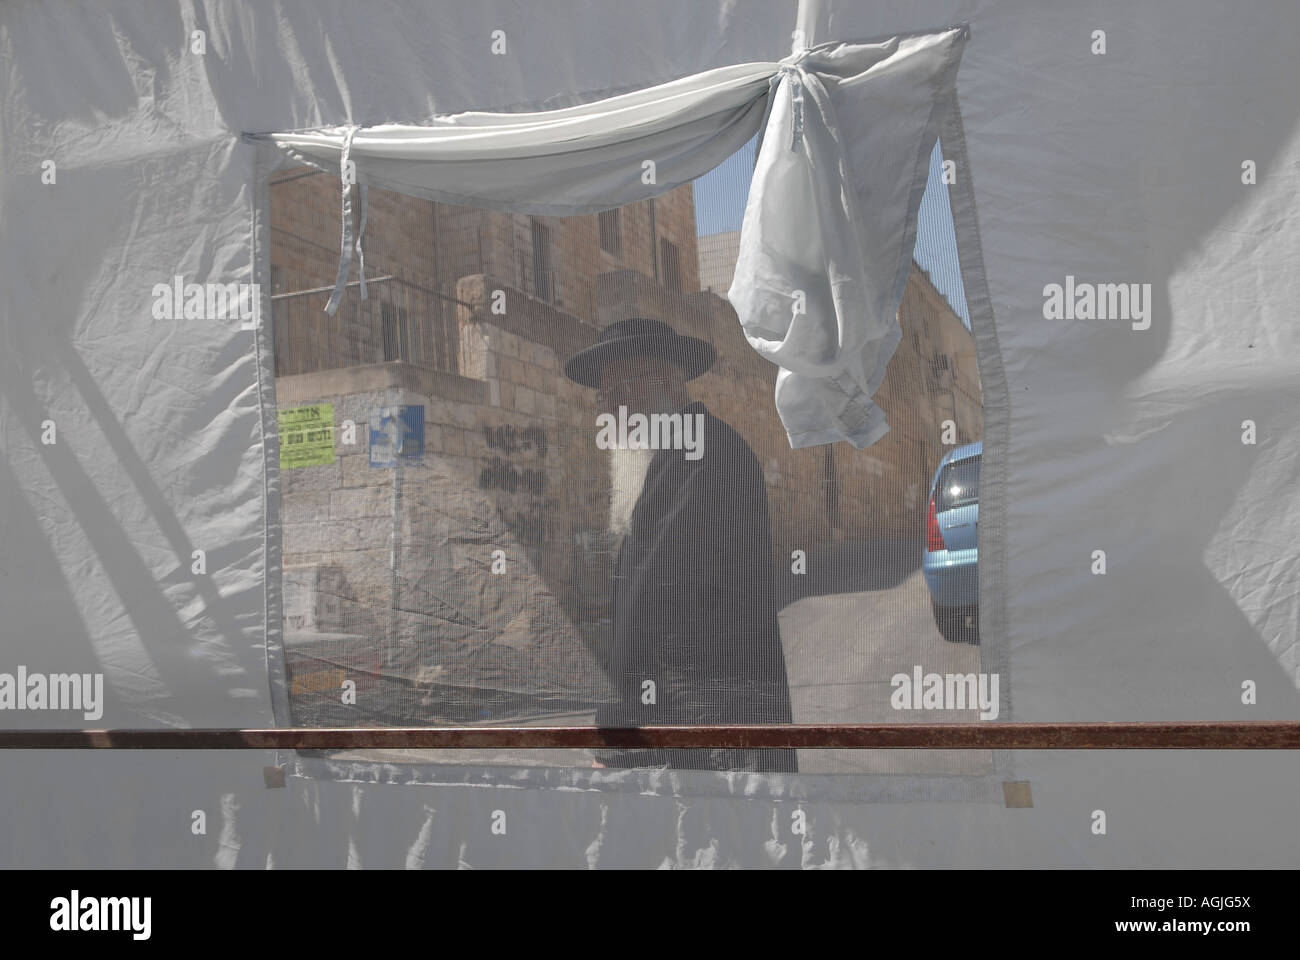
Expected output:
(1132, 735)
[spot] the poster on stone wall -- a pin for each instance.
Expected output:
(570, 499)
(306, 435)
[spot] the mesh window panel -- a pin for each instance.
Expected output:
(590, 513)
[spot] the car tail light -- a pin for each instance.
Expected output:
(933, 538)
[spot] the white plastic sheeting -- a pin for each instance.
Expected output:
(1124, 165)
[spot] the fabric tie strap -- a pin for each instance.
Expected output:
(345, 254)
(791, 68)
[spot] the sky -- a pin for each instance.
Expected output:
(720, 207)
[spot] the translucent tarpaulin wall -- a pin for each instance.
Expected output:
(1139, 451)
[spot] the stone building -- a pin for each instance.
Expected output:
(478, 577)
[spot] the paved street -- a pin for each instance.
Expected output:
(842, 647)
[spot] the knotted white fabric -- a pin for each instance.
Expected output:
(829, 227)
(826, 243)
(345, 255)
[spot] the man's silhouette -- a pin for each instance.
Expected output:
(695, 637)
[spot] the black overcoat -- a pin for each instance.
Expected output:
(693, 606)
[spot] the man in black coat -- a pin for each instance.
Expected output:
(695, 637)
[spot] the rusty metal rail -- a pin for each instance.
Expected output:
(1132, 735)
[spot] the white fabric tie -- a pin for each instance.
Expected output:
(345, 254)
(791, 69)
(796, 100)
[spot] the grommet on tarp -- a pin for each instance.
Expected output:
(345, 254)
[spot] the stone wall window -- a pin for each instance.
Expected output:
(671, 265)
(831, 486)
(396, 333)
(542, 276)
(611, 234)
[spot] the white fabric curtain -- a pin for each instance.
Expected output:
(847, 130)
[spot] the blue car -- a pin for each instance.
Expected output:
(951, 559)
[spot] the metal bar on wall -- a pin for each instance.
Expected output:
(1131, 735)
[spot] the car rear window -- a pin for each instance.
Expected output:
(958, 486)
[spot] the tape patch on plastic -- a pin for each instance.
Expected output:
(1017, 793)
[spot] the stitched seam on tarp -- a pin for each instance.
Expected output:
(997, 430)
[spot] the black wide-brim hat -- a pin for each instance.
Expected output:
(640, 336)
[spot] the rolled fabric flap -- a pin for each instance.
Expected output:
(567, 162)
